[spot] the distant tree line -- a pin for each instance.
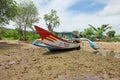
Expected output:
(102, 33)
(25, 14)
(11, 34)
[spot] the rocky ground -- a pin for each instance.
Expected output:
(23, 61)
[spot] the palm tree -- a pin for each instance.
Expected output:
(99, 31)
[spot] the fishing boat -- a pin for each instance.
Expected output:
(56, 43)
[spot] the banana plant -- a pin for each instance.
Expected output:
(100, 30)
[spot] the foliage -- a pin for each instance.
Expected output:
(30, 35)
(27, 15)
(99, 31)
(87, 33)
(52, 20)
(1, 31)
(115, 38)
(8, 11)
(14, 35)
(9, 33)
(111, 33)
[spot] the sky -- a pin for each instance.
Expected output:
(77, 14)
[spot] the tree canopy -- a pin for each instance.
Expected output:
(8, 10)
(110, 33)
(27, 15)
(88, 32)
(99, 31)
(52, 20)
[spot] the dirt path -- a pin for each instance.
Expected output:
(22, 61)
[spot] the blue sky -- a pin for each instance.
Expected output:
(86, 7)
(77, 14)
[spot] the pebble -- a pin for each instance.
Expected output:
(12, 62)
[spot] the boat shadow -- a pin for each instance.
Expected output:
(57, 52)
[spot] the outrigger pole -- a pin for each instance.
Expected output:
(91, 44)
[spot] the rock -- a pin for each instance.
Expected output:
(12, 62)
(106, 76)
(7, 67)
(115, 79)
(1, 63)
(77, 78)
(61, 77)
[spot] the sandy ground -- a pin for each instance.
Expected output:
(23, 61)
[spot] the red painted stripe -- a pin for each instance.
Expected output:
(44, 33)
(52, 37)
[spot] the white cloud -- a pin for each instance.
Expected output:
(112, 8)
(60, 6)
(71, 21)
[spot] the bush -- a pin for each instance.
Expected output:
(114, 39)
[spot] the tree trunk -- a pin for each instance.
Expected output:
(49, 27)
(20, 31)
(0, 36)
(21, 34)
(25, 35)
(33, 34)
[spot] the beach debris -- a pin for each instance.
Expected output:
(62, 77)
(12, 62)
(87, 77)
